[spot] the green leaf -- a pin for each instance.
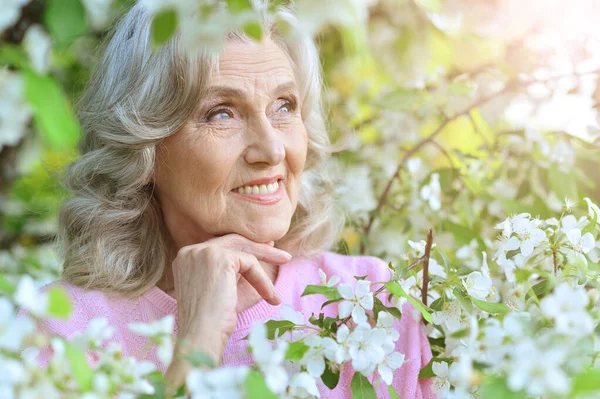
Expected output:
(330, 324)
(65, 20)
(427, 371)
(330, 302)
(540, 289)
(462, 234)
(490, 307)
(362, 388)
(464, 302)
(392, 392)
(330, 378)
(59, 303)
(563, 184)
(330, 293)
(282, 325)
(7, 286)
(12, 54)
(52, 112)
(586, 383)
(238, 6)
(296, 350)
(495, 388)
(437, 304)
(157, 380)
(396, 289)
(430, 5)
(79, 366)
(164, 26)
(378, 306)
(253, 29)
(402, 100)
(199, 358)
(257, 388)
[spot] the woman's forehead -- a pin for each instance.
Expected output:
(251, 63)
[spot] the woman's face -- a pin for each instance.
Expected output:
(247, 127)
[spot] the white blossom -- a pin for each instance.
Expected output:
(314, 358)
(538, 371)
(365, 346)
(98, 12)
(222, 382)
(11, 10)
(29, 297)
(14, 112)
(13, 329)
(96, 333)
(391, 362)
(581, 244)
(303, 385)
(160, 332)
(450, 316)
(479, 284)
(37, 44)
(357, 300)
(355, 191)
(268, 358)
(431, 192)
(441, 385)
(332, 281)
(567, 306)
(530, 235)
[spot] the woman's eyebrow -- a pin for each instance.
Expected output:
(228, 91)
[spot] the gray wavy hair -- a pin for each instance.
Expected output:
(111, 235)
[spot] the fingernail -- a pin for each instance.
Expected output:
(287, 254)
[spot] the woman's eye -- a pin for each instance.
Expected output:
(288, 106)
(221, 114)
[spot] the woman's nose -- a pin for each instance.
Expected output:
(266, 143)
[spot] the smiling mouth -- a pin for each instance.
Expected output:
(259, 189)
(266, 194)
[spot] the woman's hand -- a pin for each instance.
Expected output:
(206, 288)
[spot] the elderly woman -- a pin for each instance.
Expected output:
(199, 194)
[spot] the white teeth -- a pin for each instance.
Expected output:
(262, 189)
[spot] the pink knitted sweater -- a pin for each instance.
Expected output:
(291, 281)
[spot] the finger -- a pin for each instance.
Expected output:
(262, 252)
(250, 268)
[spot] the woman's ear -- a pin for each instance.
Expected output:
(148, 180)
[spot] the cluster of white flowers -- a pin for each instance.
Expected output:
(546, 333)
(88, 366)
(368, 345)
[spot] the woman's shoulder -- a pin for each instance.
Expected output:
(85, 305)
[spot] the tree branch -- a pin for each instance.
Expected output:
(514, 84)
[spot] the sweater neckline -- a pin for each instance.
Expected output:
(257, 312)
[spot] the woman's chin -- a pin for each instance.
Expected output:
(266, 233)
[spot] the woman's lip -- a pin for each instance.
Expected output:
(265, 199)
